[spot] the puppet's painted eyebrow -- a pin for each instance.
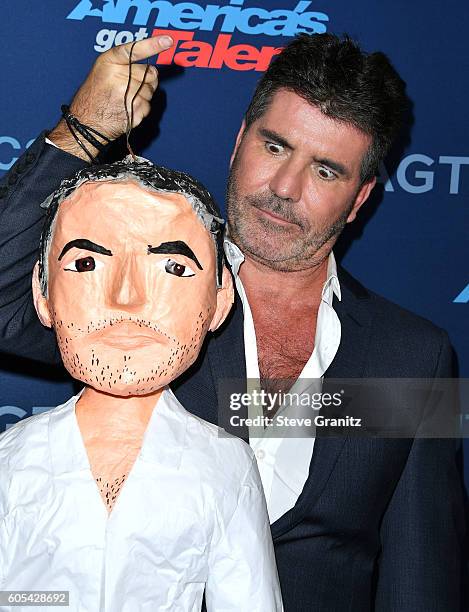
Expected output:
(84, 243)
(176, 247)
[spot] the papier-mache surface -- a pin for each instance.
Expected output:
(191, 511)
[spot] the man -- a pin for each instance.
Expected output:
(357, 524)
(127, 278)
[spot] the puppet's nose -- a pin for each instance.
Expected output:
(128, 291)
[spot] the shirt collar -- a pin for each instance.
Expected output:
(166, 435)
(234, 256)
(163, 442)
(331, 286)
(332, 281)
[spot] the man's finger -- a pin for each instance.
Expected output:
(152, 83)
(139, 71)
(146, 92)
(143, 49)
(139, 86)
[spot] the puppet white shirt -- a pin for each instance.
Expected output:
(190, 516)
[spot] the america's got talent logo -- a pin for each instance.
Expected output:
(204, 34)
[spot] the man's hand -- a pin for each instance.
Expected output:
(99, 103)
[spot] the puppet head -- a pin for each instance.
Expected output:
(131, 275)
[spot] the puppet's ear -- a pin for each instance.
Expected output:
(225, 298)
(40, 302)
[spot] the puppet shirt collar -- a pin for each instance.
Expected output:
(163, 442)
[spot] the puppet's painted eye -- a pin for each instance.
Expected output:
(84, 264)
(173, 267)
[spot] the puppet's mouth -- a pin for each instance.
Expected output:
(128, 334)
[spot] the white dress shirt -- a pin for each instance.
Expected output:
(190, 516)
(284, 461)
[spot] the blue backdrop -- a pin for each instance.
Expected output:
(410, 242)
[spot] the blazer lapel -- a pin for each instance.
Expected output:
(355, 317)
(226, 347)
(228, 366)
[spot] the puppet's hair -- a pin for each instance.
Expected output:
(149, 177)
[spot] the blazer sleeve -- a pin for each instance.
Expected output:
(242, 573)
(423, 528)
(36, 174)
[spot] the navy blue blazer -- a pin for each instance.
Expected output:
(379, 523)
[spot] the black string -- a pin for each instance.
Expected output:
(130, 117)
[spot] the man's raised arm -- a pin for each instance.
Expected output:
(98, 104)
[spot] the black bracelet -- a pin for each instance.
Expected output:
(85, 131)
(81, 145)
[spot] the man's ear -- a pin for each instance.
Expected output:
(225, 299)
(40, 302)
(239, 138)
(361, 198)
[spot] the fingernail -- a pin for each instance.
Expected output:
(166, 41)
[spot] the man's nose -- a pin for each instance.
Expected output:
(287, 182)
(128, 289)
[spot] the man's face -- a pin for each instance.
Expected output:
(294, 183)
(132, 288)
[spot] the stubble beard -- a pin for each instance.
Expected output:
(282, 248)
(120, 376)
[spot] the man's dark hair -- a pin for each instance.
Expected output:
(147, 175)
(346, 84)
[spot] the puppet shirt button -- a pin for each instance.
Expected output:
(260, 454)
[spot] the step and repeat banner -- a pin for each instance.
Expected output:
(410, 243)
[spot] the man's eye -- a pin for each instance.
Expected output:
(273, 148)
(173, 267)
(84, 264)
(326, 174)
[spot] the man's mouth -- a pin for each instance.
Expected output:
(275, 217)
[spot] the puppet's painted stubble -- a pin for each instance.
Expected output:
(132, 289)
